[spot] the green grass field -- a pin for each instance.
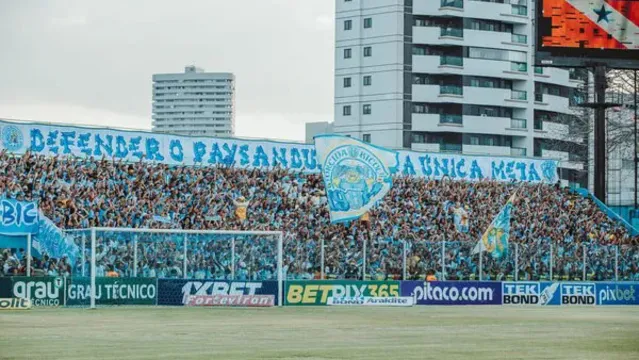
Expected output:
(322, 333)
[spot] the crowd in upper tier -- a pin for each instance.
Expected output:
(417, 215)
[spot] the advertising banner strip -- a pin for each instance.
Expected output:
(231, 300)
(402, 301)
(318, 292)
(15, 304)
(177, 292)
(615, 293)
(112, 291)
(135, 146)
(42, 291)
(453, 292)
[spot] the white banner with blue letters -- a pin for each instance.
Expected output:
(133, 146)
(356, 175)
(18, 217)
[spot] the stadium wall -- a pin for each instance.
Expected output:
(58, 291)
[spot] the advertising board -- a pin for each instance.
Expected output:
(548, 293)
(318, 292)
(231, 300)
(42, 291)
(112, 291)
(176, 292)
(453, 292)
(578, 32)
(617, 293)
(15, 304)
(401, 301)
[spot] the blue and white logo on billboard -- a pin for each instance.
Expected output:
(12, 138)
(530, 293)
(617, 294)
(356, 174)
(578, 294)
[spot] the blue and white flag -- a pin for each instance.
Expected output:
(495, 239)
(461, 219)
(356, 174)
(18, 218)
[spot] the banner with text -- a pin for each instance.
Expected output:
(620, 293)
(184, 150)
(178, 292)
(112, 291)
(318, 292)
(18, 217)
(42, 291)
(453, 292)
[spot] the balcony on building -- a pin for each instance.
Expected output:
(457, 4)
(450, 119)
(518, 123)
(457, 90)
(451, 60)
(515, 151)
(519, 39)
(518, 95)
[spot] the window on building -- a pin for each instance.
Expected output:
(347, 82)
(366, 109)
(368, 51)
(346, 110)
(347, 53)
(348, 24)
(368, 23)
(366, 138)
(368, 80)
(474, 140)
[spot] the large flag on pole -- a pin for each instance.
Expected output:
(356, 174)
(495, 239)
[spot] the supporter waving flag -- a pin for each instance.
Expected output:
(461, 219)
(495, 239)
(356, 174)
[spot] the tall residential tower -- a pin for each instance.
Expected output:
(453, 75)
(194, 103)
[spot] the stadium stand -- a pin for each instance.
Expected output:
(81, 193)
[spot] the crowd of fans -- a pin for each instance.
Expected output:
(414, 221)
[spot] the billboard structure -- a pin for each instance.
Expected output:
(588, 32)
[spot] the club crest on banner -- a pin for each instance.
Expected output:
(356, 174)
(12, 138)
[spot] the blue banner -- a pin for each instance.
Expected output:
(52, 241)
(549, 293)
(453, 292)
(18, 218)
(175, 292)
(134, 146)
(611, 293)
